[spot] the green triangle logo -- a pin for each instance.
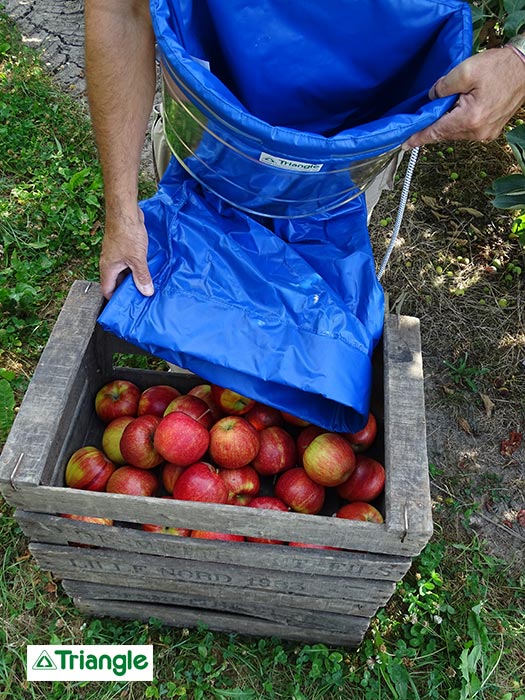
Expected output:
(44, 663)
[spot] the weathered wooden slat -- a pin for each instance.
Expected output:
(73, 562)
(221, 597)
(272, 610)
(222, 622)
(53, 394)
(295, 527)
(43, 528)
(407, 491)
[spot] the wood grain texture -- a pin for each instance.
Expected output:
(273, 608)
(55, 390)
(94, 564)
(43, 528)
(253, 522)
(219, 597)
(407, 490)
(222, 622)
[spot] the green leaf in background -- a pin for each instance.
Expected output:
(514, 23)
(7, 408)
(508, 192)
(516, 140)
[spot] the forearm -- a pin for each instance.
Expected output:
(120, 74)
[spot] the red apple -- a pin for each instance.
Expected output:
(360, 511)
(243, 481)
(203, 391)
(88, 519)
(180, 439)
(133, 481)
(166, 530)
(117, 398)
(169, 475)
(239, 499)
(137, 443)
(277, 451)
(234, 443)
(365, 483)
(299, 492)
(305, 437)
(229, 401)
(363, 439)
(207, 535)
(267, 503)
(88, 468)
(200, 482)
(154, 399)
(329, 460)
(262, 416)
(295, 420)
(111, 438)
(192, 406)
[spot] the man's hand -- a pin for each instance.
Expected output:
(490, 88)
(124, 249)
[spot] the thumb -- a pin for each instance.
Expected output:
(453, 83)
(142, 280)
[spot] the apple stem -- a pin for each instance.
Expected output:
(208, 410)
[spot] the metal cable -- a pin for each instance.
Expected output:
(401, 211)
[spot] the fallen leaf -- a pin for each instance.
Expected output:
(489, 505)
(473, 212)
(51, 587)
(465, 425)
(508, 447)
(429, 201)
(488, 404)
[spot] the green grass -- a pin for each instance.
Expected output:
(450, 632)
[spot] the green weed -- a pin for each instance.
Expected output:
(463, 374)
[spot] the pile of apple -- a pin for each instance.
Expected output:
(214, 445)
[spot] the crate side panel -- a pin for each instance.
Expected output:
(222, 595)
(272, 610)
(39, 527)
(72, 562)
(54, 391)
(251, 522)
(407, 491)
(173, 616)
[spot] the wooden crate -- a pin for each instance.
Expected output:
(258, 589)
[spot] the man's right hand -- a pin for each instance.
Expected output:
(124, 249)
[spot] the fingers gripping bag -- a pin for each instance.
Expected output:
(279, 116)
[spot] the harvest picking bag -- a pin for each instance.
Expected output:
(279, 115)
(292, 108)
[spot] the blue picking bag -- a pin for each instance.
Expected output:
(259, 249)
(290, 108)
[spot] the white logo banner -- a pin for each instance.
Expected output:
(90, 662)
